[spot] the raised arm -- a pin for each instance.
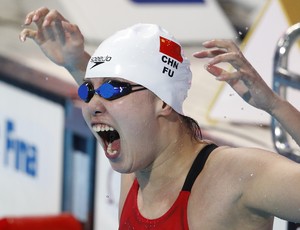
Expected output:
(245, 80)
(61, 41)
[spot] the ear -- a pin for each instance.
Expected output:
(164, 109)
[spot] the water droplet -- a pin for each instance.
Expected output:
(240, 33)
(251, 174)
(46, 78)
(242, 108)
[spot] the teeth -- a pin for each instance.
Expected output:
(102, 128)
(110, 151)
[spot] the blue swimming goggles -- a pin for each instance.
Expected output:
(109, 90)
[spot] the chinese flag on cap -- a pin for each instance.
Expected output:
(170, 48)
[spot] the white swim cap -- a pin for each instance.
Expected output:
(148, 55)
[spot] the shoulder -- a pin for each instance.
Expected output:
(247, 169)
(238, 156)
(240, 179)
(227, 173)
(234, 164)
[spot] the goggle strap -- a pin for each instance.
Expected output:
(134, 90)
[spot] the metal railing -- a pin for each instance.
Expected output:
(282, 79)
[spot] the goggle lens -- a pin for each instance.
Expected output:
(113, 90)
(109, 90)
(86, 92)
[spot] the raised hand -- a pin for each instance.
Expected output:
(242, 77)
(61, 41)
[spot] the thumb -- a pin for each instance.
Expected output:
(27, 33)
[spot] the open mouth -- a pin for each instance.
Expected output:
(111, 139)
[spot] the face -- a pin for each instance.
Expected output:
(126, 126)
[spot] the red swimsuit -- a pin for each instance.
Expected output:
(176, 217)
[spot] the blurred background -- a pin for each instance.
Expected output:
(50, 163)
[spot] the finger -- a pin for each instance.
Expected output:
(221, 74)
(208, 53)
(237, 60)
(238, 80)
(214, 70)
(61, 30)
(34, 15)
(72, 31)
(53, 16)
(28, 18)
(71, 28)
(49, 25)
(37, 16)
(48, 33)
(27, 33)
(58, 31)
(52, 31)
(234, 79)
(225, 44)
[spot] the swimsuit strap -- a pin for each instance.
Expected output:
(197, 166)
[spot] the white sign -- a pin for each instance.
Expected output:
(31, 153)
(107, 194)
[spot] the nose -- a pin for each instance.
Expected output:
(96, 105)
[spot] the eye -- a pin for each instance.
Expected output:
(113, 89)
(86, 91)
(107, 90)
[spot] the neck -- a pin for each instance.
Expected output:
(161, 183)
(172, 163)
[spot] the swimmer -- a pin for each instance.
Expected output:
(171, 178)
(249, 84)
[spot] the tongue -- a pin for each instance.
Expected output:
(113, 149)
(115, 145)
